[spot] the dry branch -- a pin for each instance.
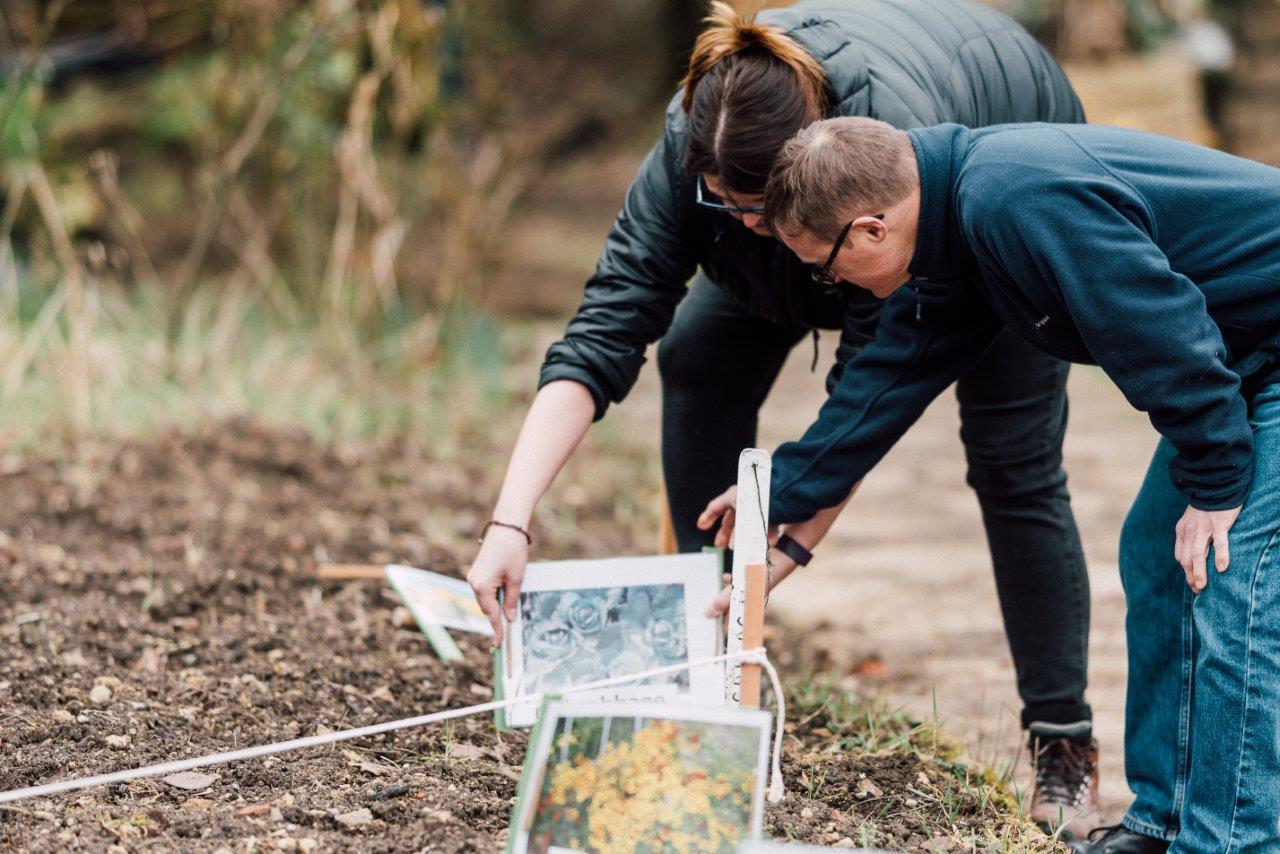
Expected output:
(103, 166)
(228, 168)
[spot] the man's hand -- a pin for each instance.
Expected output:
(722, 507)
(1195, 531)
(782, 567)
(720, 604)
(499, 565)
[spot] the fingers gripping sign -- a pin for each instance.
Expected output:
(499, 565)
(1195, 532)
(721, 508)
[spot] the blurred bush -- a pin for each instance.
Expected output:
(297, 147)
(335, 168)
(1248, 90)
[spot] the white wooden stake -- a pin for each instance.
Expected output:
(751, 546)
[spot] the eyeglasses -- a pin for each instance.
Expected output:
(823, 275)
(707, 199)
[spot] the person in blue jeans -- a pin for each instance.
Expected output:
(1155, 259)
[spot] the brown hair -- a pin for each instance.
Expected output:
(836, 167)
(748, 89)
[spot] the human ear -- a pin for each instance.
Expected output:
(872, 228)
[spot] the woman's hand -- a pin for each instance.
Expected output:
(1196, 530)
(499, 565)
(781, 567)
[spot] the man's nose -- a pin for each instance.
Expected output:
(751, 220)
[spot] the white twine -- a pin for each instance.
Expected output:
(755, 656)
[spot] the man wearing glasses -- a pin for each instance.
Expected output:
(1159, 262)
(689, 262)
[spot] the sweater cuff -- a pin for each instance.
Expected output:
(786, 507)
(1217, 502)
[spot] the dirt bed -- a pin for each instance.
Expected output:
(158, 602)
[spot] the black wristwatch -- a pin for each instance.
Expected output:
(793, 550)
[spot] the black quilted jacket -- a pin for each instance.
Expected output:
(911, 63)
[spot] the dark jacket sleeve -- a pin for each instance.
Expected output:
(1146, 325)
(858, 329)
(641, 276)
(882, 391)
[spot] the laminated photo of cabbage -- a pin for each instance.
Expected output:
(576, 636)
(582, 621)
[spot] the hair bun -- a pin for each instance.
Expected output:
(751, 34)
(729, 32)
(736, 31)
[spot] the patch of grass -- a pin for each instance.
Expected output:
(872, 774)
(232, 359)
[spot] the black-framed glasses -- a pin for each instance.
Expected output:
(707, 199)
(823, 275)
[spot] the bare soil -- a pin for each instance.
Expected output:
(176, 574)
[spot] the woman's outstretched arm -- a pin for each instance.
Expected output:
(554, 426)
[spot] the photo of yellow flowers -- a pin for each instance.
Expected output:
(681, 780)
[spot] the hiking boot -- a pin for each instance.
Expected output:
(1118, 839)
(1065, 797)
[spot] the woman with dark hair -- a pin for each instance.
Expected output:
(689, 262)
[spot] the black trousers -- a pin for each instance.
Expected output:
(718, 362)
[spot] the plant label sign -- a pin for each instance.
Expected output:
(648, 777)
(750, 547)
(438, 602)
(581, 621)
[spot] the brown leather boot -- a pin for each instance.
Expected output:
(1065, 758)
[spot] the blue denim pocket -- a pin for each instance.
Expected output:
(1258, 365)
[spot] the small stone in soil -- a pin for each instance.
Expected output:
(355, 818)
(191, 781)
(867, 789)
(252, 809)
(118, 742)
(100, 695)
(462, 750)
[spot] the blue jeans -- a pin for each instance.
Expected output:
(1202, 723)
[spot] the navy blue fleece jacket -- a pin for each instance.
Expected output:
(1155, 259)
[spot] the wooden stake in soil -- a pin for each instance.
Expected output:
(753, 633)
(351, 571)
(667, 530)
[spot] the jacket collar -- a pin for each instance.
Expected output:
(940, 250)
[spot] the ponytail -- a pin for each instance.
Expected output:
(748, 89)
